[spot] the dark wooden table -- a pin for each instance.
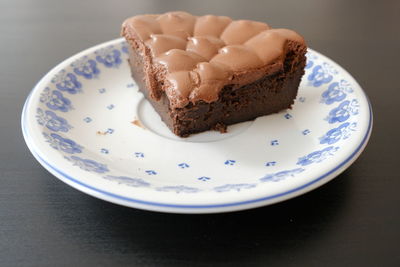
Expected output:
(352, 221)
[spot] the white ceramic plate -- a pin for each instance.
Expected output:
(87, 124)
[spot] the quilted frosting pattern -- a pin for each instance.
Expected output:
(203, 54)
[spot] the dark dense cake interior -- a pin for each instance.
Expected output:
(207, 72)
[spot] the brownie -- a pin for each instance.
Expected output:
(207, 72)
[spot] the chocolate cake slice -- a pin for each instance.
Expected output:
(207, 72)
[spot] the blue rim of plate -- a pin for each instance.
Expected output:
(94, 191)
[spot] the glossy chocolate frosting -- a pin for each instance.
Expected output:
(200, 55)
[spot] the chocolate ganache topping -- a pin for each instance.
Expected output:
(201, 55)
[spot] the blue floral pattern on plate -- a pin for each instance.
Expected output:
(86, 67)
(55, 100)
(233, 187)
(88, 164)
(282, 175)
(336, 134)
(63, 144)
(109, 57)
(321, 74)
(66, 81)
(179, 189)
(317, 156)
(336, 92)
(52, 121)
(343, 111)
